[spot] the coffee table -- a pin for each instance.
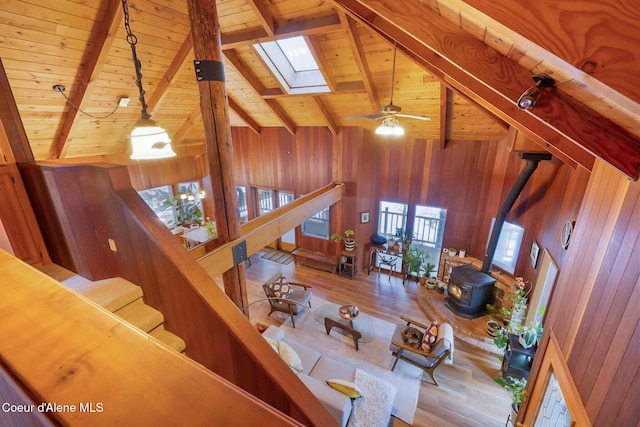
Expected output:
(358, 327)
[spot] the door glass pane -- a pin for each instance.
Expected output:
(428, 231)
(243, 209)
(285, 199)
(265, 201)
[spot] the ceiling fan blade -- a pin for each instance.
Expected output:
(411, 116)
(366, 116)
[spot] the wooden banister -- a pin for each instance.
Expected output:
(142, 250)
(67, 351)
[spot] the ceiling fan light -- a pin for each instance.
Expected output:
(390, 127)
(150, 141)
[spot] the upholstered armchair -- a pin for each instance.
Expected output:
(297, 300)
(428, 361)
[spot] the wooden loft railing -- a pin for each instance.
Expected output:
(215, 332)
(264, 229)
(61, 348)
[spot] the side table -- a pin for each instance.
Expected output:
(348, 263)
(517, 359)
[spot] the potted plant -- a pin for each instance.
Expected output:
(188, 211)
(453, 251)
(349, 241)
(516, 389)
(404, 237)
(513, 317)
(416, 259)
(429, 281)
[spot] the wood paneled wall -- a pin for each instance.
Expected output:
(595, 313)
(468, 178)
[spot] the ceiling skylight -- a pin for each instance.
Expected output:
(293, 65)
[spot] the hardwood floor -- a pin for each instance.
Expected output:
(467, 395)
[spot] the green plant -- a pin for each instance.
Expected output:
(513, 316)
(188, 211)
(336, 237)
(429, 269)
(404, 236)
(515, 387)
(416, 260)
(210, 226)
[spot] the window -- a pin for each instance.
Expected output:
(428, 226)
(292, 63)
(160, 200)
(392, 216)
(265, 201)
(317, 225)
(508, 246)
(243, 209)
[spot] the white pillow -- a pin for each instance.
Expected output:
(373, 409)
(290, 356)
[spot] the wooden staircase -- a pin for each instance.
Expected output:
(120, 297)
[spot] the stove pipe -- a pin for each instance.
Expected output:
(532, 163)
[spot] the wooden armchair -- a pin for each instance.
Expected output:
(295, 303)
(427, 361)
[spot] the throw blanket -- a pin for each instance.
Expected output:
(445, 331)
(373, 408)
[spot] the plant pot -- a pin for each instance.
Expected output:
(514, 414)
(453, 252)
(463, 253)
(349, 244)
(431, 283)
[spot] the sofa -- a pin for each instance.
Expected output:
(316, 370)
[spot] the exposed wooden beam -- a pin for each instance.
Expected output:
(264, 16)
(258, 88)
(258, 232)
(341, 88)
(358, 55)
(205, 33)
(313, 26)
(445, 115)
(195, 115)
(170, 75)
(96, 57)
(242, 115)
(494, 81)
(316, 51)
(324, 113)
(12, 123)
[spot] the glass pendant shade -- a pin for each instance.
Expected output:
(390, 127)
(149, 141)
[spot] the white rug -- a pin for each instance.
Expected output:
(373, 357)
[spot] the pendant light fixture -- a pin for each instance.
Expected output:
(148, 139)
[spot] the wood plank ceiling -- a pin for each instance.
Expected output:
(592, 48)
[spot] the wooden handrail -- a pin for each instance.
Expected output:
(264, 229)
(67, 351)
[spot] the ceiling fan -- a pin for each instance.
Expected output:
(389, 112)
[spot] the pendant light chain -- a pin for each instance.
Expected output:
(133, 40)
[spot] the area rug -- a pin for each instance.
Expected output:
(278, 256)
(373, 357)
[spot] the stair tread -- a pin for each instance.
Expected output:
(111, 294)
(168, 338)
(140, 315)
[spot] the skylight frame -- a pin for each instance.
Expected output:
(294, 82)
